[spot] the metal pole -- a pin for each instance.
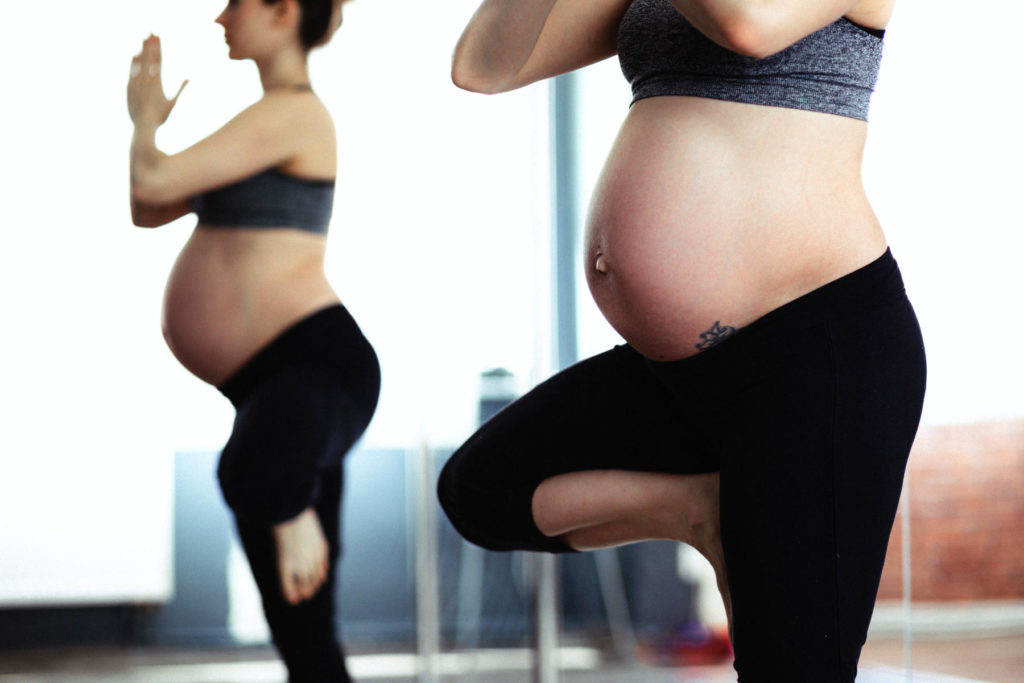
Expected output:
(616, 606)
(546, 648)
(565, 222)
(428, 593)
(908, 648)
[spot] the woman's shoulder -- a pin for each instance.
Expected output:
(303, 117)
(303, 104)
(294, 114)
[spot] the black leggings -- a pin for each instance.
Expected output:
(301, 402)
(808, 413)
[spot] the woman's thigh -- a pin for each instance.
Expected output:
(811, 477)
(295, 424)
(606, 412)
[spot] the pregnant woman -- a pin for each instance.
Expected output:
(764, 405)
(249, 310)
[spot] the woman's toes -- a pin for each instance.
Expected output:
(289, 587)
(302, 551)
(305, 587)
(322, 571)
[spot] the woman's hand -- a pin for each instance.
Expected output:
(146, 100)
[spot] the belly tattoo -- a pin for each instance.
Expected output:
(714, 335)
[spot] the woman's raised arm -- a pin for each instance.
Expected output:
(511, 43)
(760, 28)
(268, 133)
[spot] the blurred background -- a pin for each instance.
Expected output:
(454, 244)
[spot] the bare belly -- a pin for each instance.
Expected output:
(233, 291)
(716, 212)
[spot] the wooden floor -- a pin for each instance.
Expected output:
(997, 660)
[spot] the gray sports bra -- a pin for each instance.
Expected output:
(269, 199)
(833, 70)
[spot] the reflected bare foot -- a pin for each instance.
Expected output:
(301, 556)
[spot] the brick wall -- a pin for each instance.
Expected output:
(966, 513)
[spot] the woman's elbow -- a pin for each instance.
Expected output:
(461, 77)
(143, 215)
(144, 222)
(467, 79)
(476, 75)
(148, 208)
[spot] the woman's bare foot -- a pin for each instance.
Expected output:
(605, 508)
(301, 556)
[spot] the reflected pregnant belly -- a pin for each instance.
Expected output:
(232, 292)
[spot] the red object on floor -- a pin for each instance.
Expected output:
(697, 645)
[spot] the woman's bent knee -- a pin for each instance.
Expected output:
(494, 517)
(260, 499)
(462, 507)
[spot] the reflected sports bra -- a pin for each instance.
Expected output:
(833, 70)
(269, 199)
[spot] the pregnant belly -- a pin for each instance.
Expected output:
(225, 301)
(698, 227)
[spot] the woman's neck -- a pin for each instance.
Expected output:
(285, 70)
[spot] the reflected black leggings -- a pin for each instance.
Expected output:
(808, 413)
(301, 402)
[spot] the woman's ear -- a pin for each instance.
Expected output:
(288, 13)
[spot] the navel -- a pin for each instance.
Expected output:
(601, 264)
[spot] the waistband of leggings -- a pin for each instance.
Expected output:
(877, 284)
(313, 339)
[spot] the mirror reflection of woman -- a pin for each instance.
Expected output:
(248, 309)
(766, 400)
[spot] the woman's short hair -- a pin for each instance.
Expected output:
(318, 20)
